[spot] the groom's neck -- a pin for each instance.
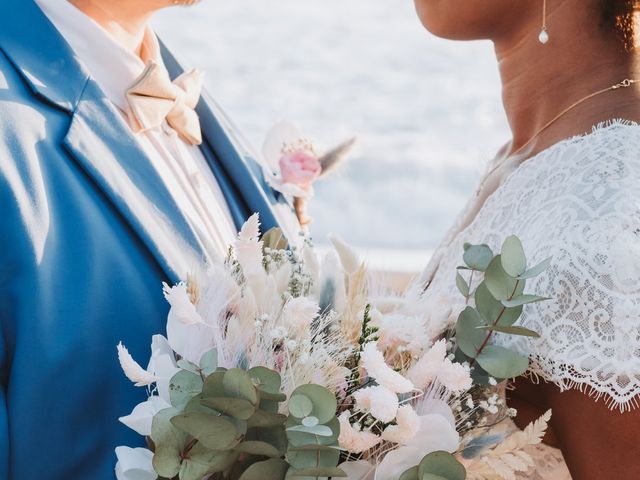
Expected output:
(540, 81)
(125, 20)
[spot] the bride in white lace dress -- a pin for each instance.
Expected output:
(569, 186)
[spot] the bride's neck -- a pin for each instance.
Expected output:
(540, 81)
(125, 20)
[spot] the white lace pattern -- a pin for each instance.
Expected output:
(578, 202)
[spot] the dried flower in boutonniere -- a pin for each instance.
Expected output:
(294, 163)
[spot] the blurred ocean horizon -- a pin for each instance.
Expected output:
(427, 111)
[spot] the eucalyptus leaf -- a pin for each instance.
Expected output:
(209, 362)
(201, 462)
(320, 430)
(492, 310)
(431, 476)
(324, 402)
(462, 285)
(237, 383)
(213, 386)
(272, 469)
(258, 448)
(512, 256)
(501, 285)
(300, 406)
(410, 474)
(478, 257)
(309, 459)
(536, 270)
(521, 331)
(187, 365)
(441, 464)
(523, 300)
(301, 439)
(213, 431)
(169, 443)
(334, 472)
(266, 419)
(183, 386)
(501, 362)
(310, 421)
(235, 407)
(266, 380)
(468, 335)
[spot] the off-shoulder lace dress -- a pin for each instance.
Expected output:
(578, 202)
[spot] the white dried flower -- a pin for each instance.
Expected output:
(133, 370)
(455, 377)
(408, 424)
(353, 439)
(374, 363)
(300, 312)
(427, 368)
(381, 402)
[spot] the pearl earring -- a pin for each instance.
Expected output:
(544, 35)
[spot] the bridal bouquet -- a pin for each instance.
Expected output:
(281, 363)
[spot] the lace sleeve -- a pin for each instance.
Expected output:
(578, 202)
(588, 219)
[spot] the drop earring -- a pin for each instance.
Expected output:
(544, 35)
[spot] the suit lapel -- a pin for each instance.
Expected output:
(102, 144)
(229, 160)
(98, 139)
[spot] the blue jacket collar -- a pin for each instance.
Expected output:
(57, 78)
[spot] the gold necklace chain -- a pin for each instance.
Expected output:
(626, 83)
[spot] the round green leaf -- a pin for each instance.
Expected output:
(411, 474)
(299, 439)
(201, 462)
(272, 469)
(324, 402)
(209, 361)
(512, 257)
(478, 257)
(265, 379)
(441, 464)
(300, 406)
(213, 431)
(500, 284)
(183, 386)
(213, 386)
(310, 421)
(491, 309)
(319, 458)
(263, 418)
(468, 334)
(169, 443)
(235, 407)
(237, 383)
(258, 448)
(501, 362)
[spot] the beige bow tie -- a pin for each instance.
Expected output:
(153, 97)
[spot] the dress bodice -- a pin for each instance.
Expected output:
(578, 202)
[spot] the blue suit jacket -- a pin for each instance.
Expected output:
(88, 233)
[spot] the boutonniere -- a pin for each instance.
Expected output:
(294, 163)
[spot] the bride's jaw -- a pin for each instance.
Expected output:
(475, 19)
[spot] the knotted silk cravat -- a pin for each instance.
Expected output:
(153, 98)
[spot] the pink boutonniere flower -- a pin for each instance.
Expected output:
(293, 164)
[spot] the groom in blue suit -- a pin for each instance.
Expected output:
(91, 224)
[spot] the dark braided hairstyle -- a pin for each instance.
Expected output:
(621, 17)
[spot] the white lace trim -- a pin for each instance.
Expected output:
(578, 201)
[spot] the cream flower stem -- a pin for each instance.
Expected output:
(488, 337)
